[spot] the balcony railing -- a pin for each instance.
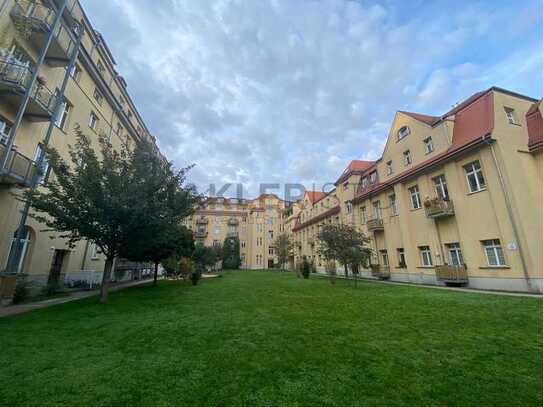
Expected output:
(15, 79)
(452, 274)
(438, 208)
(19, 169)
(34, 21)
(380, 272)
(375, 225)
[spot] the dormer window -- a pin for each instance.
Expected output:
(373, 177)
(510, 113)
(389, 167)
(364, 182)
(403, 132)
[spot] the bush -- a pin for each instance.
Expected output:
(21, 292)
(195, 277)
(306, 268)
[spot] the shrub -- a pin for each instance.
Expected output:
(195, 277)
(21, 292)
(306, 268)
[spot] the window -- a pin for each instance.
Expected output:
(494, 252)
(363, 214)
(217, 229)
(23, 247)
(415, 197)
(43, 171)
(510, 113)
(94, 251)
(401, 258)
(425, 256)
(120, 129)
(393, 205)
(390, 170)
(100, 67)
(474, 175)
(364, 182)
(403, 132)
(455, 254)
(346, 186)
(75, 73)
(349, 207)
(373, 177)
(93, 121)
(384, 257)
(270, 234)
(5, 128)
(440, 185)
(377, 213)
(428, 145)
(407, 159)
(216, 243)
(242, 244)
(62, 117)
(270, 251)
(98, 96)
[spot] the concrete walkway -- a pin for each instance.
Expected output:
(77, 295)
(439, 287)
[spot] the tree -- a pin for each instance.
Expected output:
(104, 199)
(284, 248)
(344, 244)
(203, 257)
(157, 243)
(231, 253)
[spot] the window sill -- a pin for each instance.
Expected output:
(415, 209)
(426, 267)
(494, 267)
(476, 192)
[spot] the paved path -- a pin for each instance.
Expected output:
(77, 295)
(439, 287)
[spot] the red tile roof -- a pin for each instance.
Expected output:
(422, 117)
(534, 121)
(315, 195)
(473, 121)
(354, 167)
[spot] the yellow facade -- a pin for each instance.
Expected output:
(96, 100)
(484, 234)
(256, 223)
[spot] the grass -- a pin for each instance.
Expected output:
(271, 339)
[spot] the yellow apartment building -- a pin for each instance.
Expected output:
(256, 222)
(454, 199)
(56, 73)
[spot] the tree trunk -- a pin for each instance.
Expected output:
(155, 277)
(106, 276)
(346, 271)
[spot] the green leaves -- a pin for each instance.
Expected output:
(344, 244)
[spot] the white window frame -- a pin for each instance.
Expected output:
(455, 254)
(428, 145)
(403, 132)
(373, 177)
(5, 128)
(495, 257)
(407, 158)
(93, 121)
(426, 256)
(400, 252)
(64, 113)
(384, 258)
(377, 210)
(364, 214)
(440, 186)
(475, 171)
(510, 114)
(45, 163)
(416, 202)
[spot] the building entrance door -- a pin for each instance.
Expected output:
(56, 266)
(270, 263)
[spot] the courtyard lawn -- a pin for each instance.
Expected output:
(270, 339)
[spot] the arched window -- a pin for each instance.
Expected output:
(403, 132)
(24, 248)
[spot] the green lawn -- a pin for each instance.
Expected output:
(271, 339)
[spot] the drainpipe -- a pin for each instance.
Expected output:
(510, 214)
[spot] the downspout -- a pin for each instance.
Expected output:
(510, 214)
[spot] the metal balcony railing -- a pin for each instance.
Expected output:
(452, 274)
(438, 208)
(15, 78)
(19, 169)
(34, 21)
(375, 224)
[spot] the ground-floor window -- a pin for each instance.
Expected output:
(25, 243)
(384, 257)
(401, 258)
(494, 252)
(425, 256)
(455, 254)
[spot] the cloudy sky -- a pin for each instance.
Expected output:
(289, 91)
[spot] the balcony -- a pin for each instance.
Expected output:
(14, 80)
(232, 234)
(452, 274)
(438, 208)
(200, 234)
(380, 272)
(202, 221)
(233, 222)
(34, 21)
(375, 225)
(19, 169)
